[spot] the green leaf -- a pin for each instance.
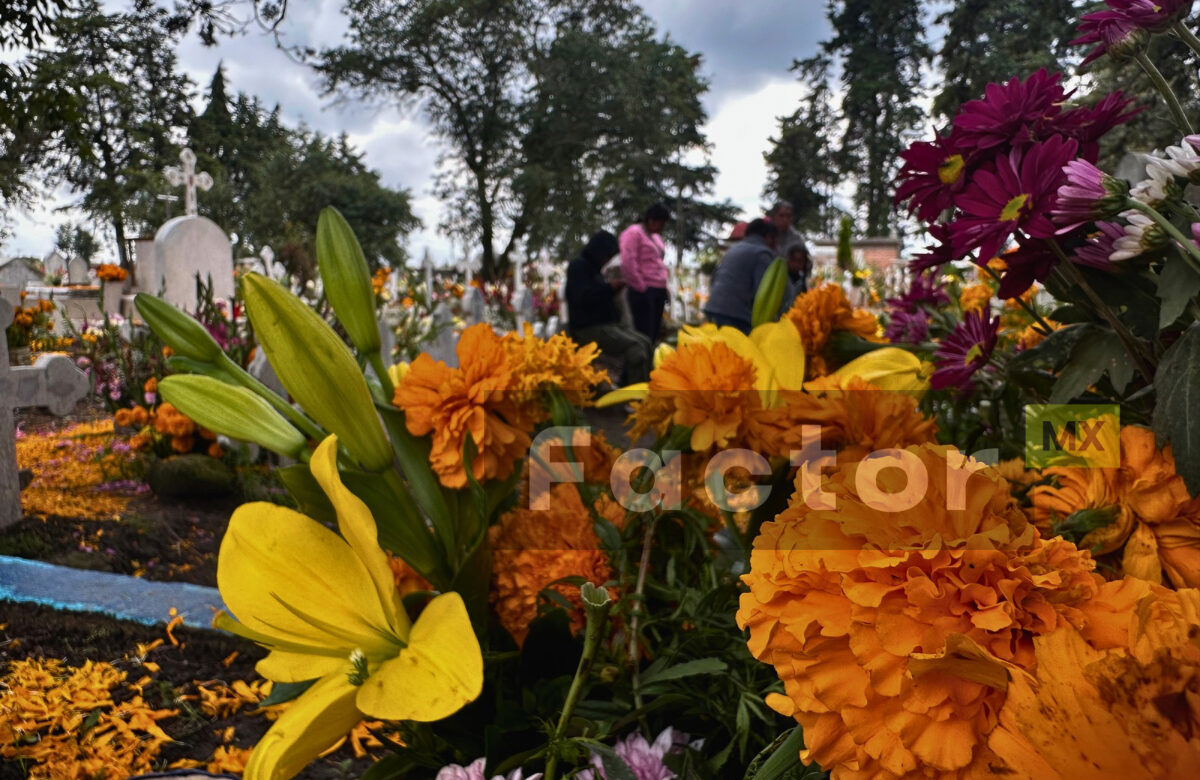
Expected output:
(779, 758)
(284, 692)
(1098, 352)
(1178, 284)
(1177, 413)
(687, 669)
(413, 455)
(1050, 355)
(401, 527)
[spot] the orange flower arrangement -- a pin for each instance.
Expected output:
(1133, 711)
(532, 550)
(862, 612)
(975, 297)
(821, 311)
(708, 386)
(108, 272)
(1154, 518)
(494, 396)
(379, 280)
(856, 418)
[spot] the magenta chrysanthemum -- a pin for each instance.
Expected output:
(1015, 112)
(966, 350)
(932, 173)
(1099, 247)
(1109, 32)
(1017, 193)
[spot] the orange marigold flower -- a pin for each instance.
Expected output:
(150, 385)
(139, 416)
(532, 550)
(553, 460)
(1150, 511)
(535, 364)
(215, 450)
(861, 609)
(139, 442)
(856, 418)
(1128, 709)
(183, 444)
(975, 297)
(407, 580)
(123, 417)
(452, 403)
(821, 311)
(708, 386)
(167, 351)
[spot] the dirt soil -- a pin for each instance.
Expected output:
(35, 631)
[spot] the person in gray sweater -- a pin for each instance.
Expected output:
(735, 282)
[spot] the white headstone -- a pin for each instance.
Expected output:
(78, 271)
(56, 264)
(147, 273)
(445, 341)
(53, 382)
(190, 246)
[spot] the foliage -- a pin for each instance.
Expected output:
(880, 47)
(800, 161)
(484, 74)
(129, 107)
(31, 324)
(76, 241)
(989, 41)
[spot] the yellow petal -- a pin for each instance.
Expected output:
(439, 673)
(316, 720)
(662, 352)
(624, 395)
(290, 667)
(272, 556)
(783, 348)
(360, 532)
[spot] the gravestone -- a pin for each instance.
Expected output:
(444, 346)
(56, 265)
(78, 272)
(192, 246)
(53, 382)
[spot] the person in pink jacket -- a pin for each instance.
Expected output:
(643, 264)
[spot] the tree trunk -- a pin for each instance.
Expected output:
(119, 229)
(488, 270)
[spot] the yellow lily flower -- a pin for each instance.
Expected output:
(328, 610)
(888, 368)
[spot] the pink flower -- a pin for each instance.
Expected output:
(1088, 124)
(1016, 194)
(644, 758)
(1017, 112)
(966, 350)
(1110, 32)
(932, 173)
(1089, 194)
(1097, 252)
(475, 772)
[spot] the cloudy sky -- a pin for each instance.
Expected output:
(747, 50)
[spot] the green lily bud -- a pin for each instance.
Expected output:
(317, 369)
(347, 280)
(232, 411)
(177, 330)
(769, 296)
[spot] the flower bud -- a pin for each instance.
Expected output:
(769, 296)
(317, 369)
(347, 280)
(180, 332)
(232, 411)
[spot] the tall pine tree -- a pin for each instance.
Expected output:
(881, 49)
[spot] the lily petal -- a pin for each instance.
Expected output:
(315, 721)
(634, 392)
(270, 553)
(358, 528)
(783, 348)
(284, 666)
(439, 672)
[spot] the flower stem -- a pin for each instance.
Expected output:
(1160, 82)
(1187, 36)
(299, 419)
(1070, 274)
(375, 360)
(1043, 325)
(1190, 250)
(597, 604)
(636, 612)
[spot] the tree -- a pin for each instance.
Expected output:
(880, 47)
(74, 240)
(130, 104)
(800, 163)
(994, 40)
(612, 116)
(486, 72)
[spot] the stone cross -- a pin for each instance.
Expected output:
(54, 382)
(427, 264)
(187, 178)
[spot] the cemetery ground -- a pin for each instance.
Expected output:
(128, 697)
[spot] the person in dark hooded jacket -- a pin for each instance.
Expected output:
(592, 310)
